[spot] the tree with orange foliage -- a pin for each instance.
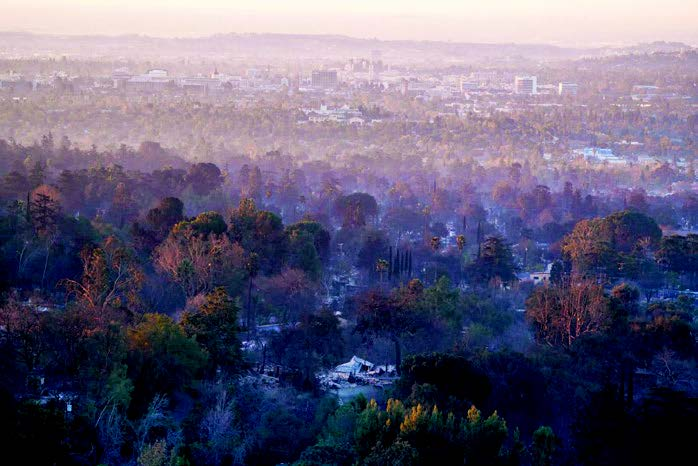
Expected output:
(111, 277)
(561, 314)
(197, 262)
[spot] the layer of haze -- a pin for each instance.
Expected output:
(569, 22)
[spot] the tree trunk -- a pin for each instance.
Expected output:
(21, 257)
(48, 252)
(398, 355)
(622, 386)
(249, 305)
(631, 373)
(264, 357)
(27, 212)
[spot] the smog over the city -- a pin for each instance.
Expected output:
(348, 233)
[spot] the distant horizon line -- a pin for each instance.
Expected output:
(561, 44)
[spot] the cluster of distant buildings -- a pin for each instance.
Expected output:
(252, 80)
(16, 82)
(606, 156)
(528, 85)
(159, 80)
(646, 93)
(357, 73)
(343, 114)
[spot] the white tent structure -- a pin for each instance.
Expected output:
(354, 366)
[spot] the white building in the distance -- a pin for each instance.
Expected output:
(525, 85)
(567, 89)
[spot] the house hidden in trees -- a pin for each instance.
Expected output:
(357, 376)
(354, 367)
(359, 369)
(538, 278)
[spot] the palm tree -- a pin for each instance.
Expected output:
(252, 267)
(381, 267)
(435, 243)
(460, 242)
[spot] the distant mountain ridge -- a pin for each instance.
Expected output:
(298, 46)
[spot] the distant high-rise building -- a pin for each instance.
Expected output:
(119, 77)
(466, 85)
(324, 79)
(404, 86)
(151, 81)
(567, 89)
(358, 65)
(525, 85)
(377, 61)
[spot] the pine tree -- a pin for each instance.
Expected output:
(36, 175)
(390, 263)
(44, 209)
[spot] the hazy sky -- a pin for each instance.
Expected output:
(556, 21)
